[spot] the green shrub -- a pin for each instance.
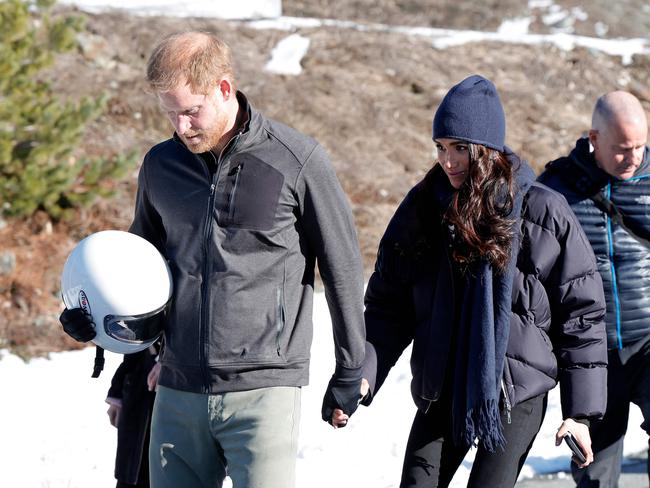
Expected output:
(39, 132)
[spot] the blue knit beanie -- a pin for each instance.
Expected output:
(471, 111)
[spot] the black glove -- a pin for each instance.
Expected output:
(343, 391)
(78, 324)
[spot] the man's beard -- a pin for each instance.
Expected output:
(206, 139)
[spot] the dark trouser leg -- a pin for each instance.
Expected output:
(607, 434)
(431, 458)
(604, 471)
(500, 469)
(143, 474)
(640, 362)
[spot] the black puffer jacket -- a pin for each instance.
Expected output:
(623, 261)
(556, 329)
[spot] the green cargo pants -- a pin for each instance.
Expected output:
(250, 436)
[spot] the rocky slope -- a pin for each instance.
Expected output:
(368, 96)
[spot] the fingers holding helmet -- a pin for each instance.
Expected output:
(78, 324)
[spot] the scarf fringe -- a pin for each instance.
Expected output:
(484, 422)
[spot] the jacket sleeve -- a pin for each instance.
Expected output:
(331, 237)
(390, 321)
(577, 303)
(117, 382)
(128, 364)
(146, 221)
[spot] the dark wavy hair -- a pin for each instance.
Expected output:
(479, 209)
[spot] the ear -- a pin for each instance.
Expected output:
(593, 138)
(225, 89)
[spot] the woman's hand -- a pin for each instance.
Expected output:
(581, 433)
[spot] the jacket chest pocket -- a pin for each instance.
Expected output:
(250, 195)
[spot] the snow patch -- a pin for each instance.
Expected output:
(518, 26)
(444, 38)
(190, 8)
(287, 54)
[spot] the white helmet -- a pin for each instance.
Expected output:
(124, 283)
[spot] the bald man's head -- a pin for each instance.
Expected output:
(619, 131)
(199, 59)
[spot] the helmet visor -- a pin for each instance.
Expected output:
(137, 329)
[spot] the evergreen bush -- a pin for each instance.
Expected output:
(39, 131)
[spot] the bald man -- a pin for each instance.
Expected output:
(242, 207)
(606, 180)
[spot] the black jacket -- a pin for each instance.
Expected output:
(623, 262)
(556, 328)
(242, 244)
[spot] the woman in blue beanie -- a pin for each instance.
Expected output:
(490, 276)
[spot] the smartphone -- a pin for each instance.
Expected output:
(575, 448)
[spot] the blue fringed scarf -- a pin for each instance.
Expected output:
(483, 331)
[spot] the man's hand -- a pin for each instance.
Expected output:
(78, 324)
(581, 433)
(343, 393)
(339, 419)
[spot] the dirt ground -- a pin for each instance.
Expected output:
(368, 97)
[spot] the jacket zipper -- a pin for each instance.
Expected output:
(279, 319)
(205, 295)
(506, 401)
(205, 301)
(612, 268)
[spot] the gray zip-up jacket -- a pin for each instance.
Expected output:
(242, 243)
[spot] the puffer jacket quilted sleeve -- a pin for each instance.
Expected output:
(390, 312)
(555, 254)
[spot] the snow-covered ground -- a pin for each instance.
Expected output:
(55, 432)
(513, 31)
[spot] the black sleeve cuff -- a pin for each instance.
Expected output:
(583, 421)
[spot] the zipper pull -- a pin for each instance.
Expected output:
(236, 170)
(506, 400)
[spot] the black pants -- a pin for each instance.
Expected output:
(143, 474)
(432, 458)
(629, 382)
